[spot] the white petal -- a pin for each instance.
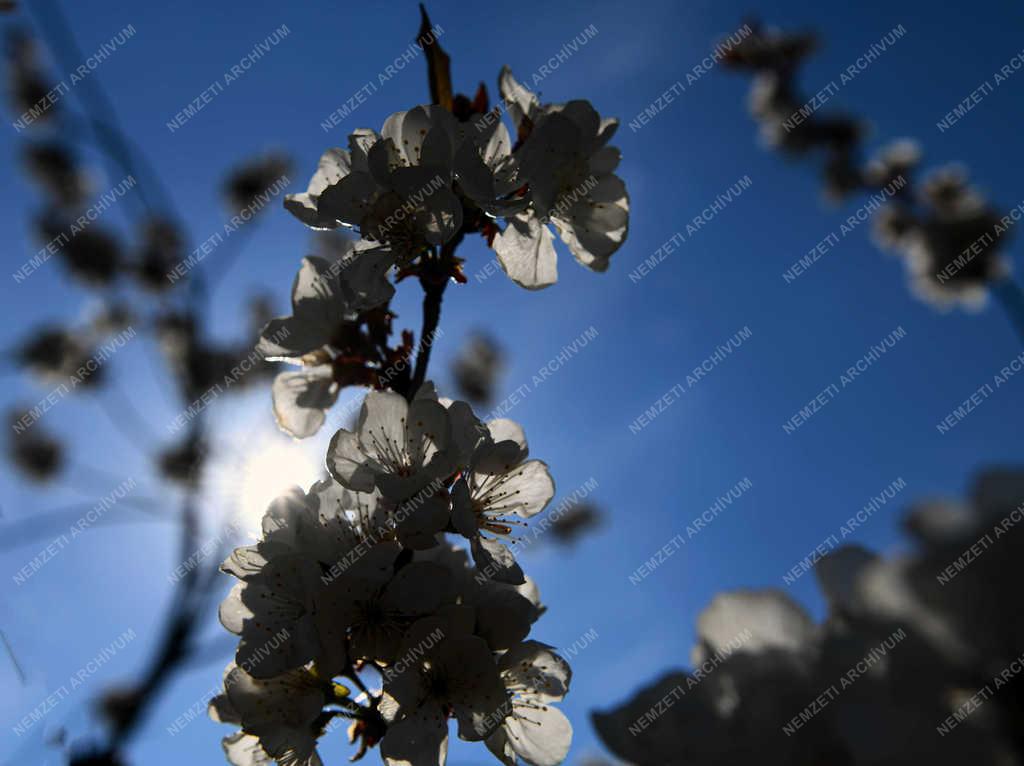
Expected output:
(525, 490)
(538, 668)
(838, 573)
(494, 558)
(359, 144)
(526, 252)
(754, 620)
(417, 588)
(302, 398)
(242, 749)
(350, 199)
(348, 464)
(334, 165)
(503, 429)
(541, 737)
(428, 430)
(520, 101)
(596, 226)
(463, 517)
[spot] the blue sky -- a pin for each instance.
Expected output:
(650, 333)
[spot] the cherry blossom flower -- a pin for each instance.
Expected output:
(398, 447)
(500, 488)
(456, 676)
(477, 368)
(570, 170)
(283, 713)
(327, 298)
(281, 578)
(373, 605)
(540, 734)
(394, 186)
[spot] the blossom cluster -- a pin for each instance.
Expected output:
(919, 659)
(357, 575)
(431, 174)
(950, 237)
(413, 191)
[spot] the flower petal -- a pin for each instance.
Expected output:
(301, 399)
(526, 252)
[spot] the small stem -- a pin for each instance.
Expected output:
(350, 673)
(434, 276)
(14, 659)
(432, 296)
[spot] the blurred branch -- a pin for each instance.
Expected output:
(22, 531)
(1011, 297)
(14, 659)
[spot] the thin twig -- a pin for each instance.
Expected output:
(22, 531)
(1011, 298)
(14, 659)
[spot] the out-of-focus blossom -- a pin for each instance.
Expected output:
(572, 524)
(247, 186)
(181, 462)
(34, 451)
(906, 644)
(57, 172)
(161, 248)
(56, 354)
(951, 240)
(477, 368)
(92, 254)
(27, 81)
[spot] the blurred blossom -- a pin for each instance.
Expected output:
(96, 759)
(55, 354)
(35, 452)
(949, 235)
(118, 705)
(180, 463)
(768, 49)
(895, 160)
(111, 318)
(203, 368)
(162, 246)
(951, 241)
(246, 183)
(478, 367)
(91, 254)
(55, 168)
(579, 521)
(27, 82)
(912, 648)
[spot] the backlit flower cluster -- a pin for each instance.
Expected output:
(429, 176)
(413, 191)
(357, 584)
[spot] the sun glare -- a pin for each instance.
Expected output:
(270, 470)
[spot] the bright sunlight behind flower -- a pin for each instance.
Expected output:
(275, 465)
